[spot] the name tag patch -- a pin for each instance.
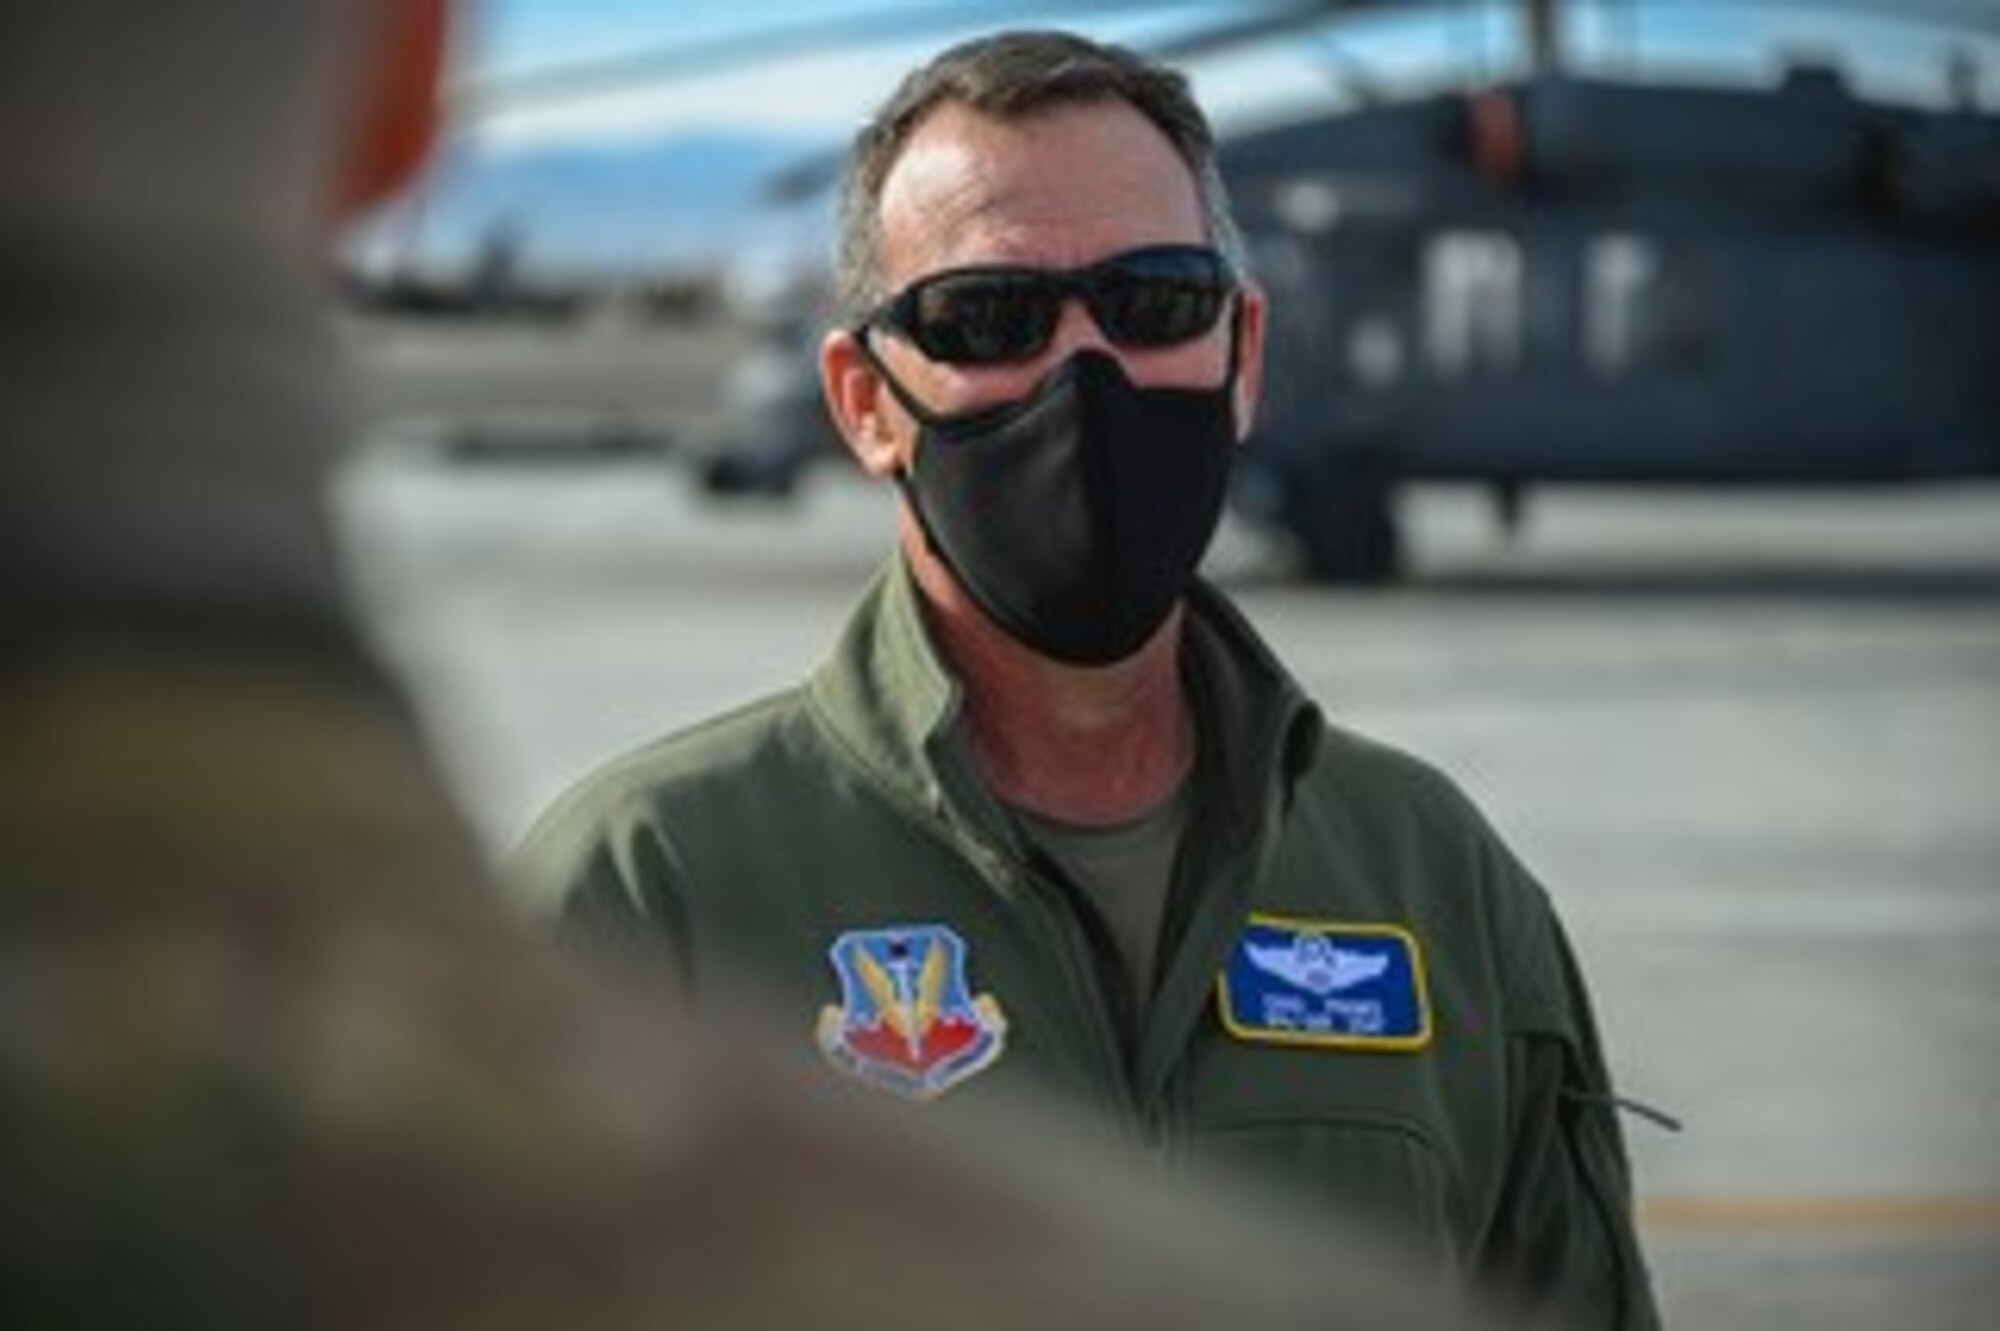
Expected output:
(1326, 985)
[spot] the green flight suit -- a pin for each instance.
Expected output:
(757, 841)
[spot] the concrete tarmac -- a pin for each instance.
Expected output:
(1752, 744)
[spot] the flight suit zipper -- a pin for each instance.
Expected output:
(1081, 966)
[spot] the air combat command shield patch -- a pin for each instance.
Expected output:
(1322, 984)
(907, 1020)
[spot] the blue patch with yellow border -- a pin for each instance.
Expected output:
(1325, 984)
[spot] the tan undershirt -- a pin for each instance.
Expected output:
(1123, 871)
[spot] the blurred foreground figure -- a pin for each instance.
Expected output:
(267, 1056)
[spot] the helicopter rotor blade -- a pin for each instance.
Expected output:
(488, 96)
(485, 96)
(817, 172)
(481, 97)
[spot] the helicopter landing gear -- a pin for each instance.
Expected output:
(1510, 508)
(1342, 510)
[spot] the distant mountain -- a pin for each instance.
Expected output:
(692, 198)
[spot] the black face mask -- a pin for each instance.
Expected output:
(1076, 516)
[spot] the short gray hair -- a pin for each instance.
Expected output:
(1008, 77)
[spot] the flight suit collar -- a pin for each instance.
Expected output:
(1259, 730)
(889, 698)
(894, 706)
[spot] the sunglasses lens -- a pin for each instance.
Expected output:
(983, 318)
(1158, 298)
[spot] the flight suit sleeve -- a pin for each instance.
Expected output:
(1564, 1243)
(606, 881)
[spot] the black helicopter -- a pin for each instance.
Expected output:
(1561, 279)
(1556, 279)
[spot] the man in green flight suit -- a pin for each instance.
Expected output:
(1052, 816)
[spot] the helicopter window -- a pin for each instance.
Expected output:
(1472, 302)
(1310, 207)
(1645, 307)
(1374, 352)
(1621, 289)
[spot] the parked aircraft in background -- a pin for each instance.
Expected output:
(1558, 279)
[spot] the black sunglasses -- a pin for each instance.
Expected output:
(1159, 296)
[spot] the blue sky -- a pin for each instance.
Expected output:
(823, 94)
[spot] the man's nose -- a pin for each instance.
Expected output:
(1077, 330)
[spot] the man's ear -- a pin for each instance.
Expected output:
(1251, 310)
(859, 404)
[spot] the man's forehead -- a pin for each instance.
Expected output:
(1055, 186)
